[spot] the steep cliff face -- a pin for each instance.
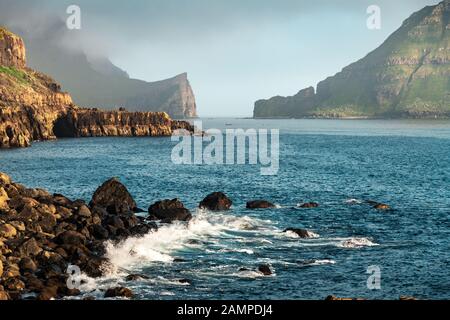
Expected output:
(12, 50)
(81, 122)
(97, 82)
(32, 107)
(407, 76)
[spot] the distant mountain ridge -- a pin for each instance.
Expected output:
(407, 76)
(96, 82)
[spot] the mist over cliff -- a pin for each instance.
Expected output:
(81, 65)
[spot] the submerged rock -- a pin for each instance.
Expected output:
(309, 205)
(378, 205)
(382, 206)
(265, 269)
(259, 204)
(168, 211)
(216, 201)
(113, 196)
(302, 233)
(334, 298)
(136, 277)
(118, 292)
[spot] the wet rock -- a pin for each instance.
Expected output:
(47, 221)
(19, 225)
(27, 265)
(14, 284)
(136, 277)
(259, 204)
(309, 205)
(302, 233)
(265, 269)
(143, 229)
(71, 238)
(185, 281)
(3, 294)
(169, 210)
(3, 199)
(4, 179)
(114, 221)
(30, 248)
(216, 201)
(113, 196)
(7, 231)
(99, 232)
(382, 206)
(378, 205)
(83, 211)
(48, 293)
(118, 292)
(407, 298)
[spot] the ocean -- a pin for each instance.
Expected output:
(337, 163)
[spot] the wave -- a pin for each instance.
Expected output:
(318, 262)
(309, 235)
(356, 243)
(353, 201)
(159, 246)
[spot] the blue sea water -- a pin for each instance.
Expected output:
(403, 163)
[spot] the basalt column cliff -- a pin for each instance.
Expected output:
(32, 107)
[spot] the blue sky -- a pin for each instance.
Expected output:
(235, 51)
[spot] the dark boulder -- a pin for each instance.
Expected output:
(216, 201)
(260, 204)
(118, 292)
(113, 196)
(136, 277)
(302, 233)
(99, 232)
(169, 210)
(265, 269)
(143, 228)
(309, 205)
(27, 265)
(378, 205)
(71, 238)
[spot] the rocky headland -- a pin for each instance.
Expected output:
(33, 107)
(408, 76)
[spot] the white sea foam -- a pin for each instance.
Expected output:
(159, 246)
(322, 262)
(356, 243)
(353, 201)
(292, 234)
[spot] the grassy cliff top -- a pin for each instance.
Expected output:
(4, 31)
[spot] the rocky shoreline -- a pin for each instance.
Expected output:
(43, 234)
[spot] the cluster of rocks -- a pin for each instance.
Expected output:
(41, 234)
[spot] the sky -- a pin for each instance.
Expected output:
(234, 51)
